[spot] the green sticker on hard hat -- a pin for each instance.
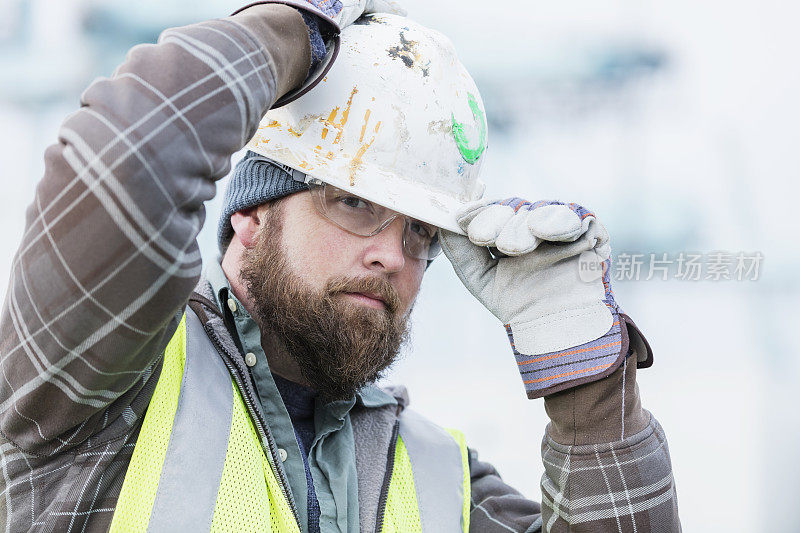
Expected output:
(470, 154)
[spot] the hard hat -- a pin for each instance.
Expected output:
(397, 121)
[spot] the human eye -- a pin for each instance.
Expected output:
(354, 202)
(423, 230)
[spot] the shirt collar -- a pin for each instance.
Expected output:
(219, 283)
(374, 396)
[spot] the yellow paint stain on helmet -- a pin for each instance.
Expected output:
(345, 116)
(329, 122)
(356, 162)
(295, 133)
(329, 155)
(273, 124)
(346, 111)
(364, 127)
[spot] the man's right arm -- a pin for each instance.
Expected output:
(606, 461)
(109, 254)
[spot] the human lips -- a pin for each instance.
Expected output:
(369, 298)
(372, 292)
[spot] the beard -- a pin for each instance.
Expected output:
(340, 346)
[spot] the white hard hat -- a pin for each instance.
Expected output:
(397, 120)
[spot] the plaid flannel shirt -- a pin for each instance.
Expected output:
(109, 258)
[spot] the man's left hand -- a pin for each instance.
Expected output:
(552, 289)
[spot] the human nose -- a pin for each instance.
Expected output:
(385, 250)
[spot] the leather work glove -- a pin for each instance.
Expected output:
(551, 290)
(340, 12)
(350, 10)
(324, 20)
(345, 12)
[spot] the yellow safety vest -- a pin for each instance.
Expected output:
(200, 463)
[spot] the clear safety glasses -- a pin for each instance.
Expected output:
(362, 217)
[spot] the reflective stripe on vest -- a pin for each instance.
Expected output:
(198, 464)
(441, 479)
(430, 485)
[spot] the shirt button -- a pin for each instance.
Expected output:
(282, 454)
(250, 359)
(232, 305)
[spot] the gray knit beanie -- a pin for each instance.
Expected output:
(254, 182)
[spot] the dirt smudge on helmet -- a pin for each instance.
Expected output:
(408, 53)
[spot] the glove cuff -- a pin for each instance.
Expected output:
(547, 373)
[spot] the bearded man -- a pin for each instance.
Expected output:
(138, 395)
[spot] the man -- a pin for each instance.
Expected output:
(136, 398)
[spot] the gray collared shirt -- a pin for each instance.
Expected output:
(331, 458)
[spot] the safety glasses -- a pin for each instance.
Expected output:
(362, 217)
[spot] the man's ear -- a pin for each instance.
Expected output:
(246, 224)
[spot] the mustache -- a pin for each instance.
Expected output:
(373, 285)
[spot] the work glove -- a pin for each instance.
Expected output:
(324, 20)
(549, 283)
(342, 13)
(345, 12)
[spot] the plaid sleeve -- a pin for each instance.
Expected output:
(623, 486)
(496, 507)
(606, 460)
(607, 464)
(109, 252)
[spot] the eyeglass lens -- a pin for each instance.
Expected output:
(366, 218)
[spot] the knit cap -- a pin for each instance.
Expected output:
(254, 181)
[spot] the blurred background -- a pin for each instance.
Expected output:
(676, 121)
